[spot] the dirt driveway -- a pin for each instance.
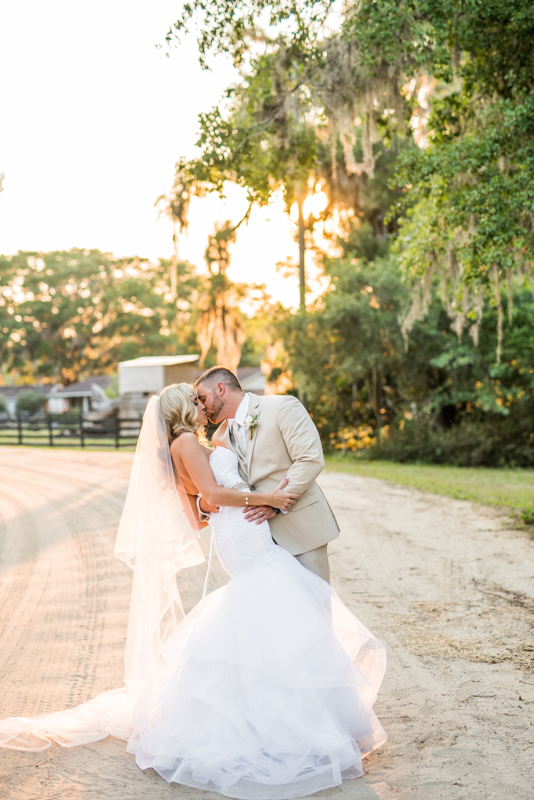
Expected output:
(448, 588)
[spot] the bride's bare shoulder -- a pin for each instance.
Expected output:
(188, 443)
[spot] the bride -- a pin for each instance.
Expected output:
(265, 690)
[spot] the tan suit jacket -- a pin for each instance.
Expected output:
(286, 443)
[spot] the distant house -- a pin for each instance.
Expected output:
(85, 395)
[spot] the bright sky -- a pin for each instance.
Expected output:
(94, 118)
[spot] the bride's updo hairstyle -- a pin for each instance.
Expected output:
(179, 411)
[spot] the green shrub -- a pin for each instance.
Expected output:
(3, 404)
(495, 443)
(113, 389)
(30, 402)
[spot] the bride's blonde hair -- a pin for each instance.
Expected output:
(179, 411)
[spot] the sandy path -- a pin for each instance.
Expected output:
(446, 586)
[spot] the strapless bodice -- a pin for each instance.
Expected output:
(225, 467)
(241, 545)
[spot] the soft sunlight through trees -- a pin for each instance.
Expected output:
(401, 138)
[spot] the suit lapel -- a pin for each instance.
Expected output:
(253, 408)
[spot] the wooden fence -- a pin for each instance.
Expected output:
(68, 430)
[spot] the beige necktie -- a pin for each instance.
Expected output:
(238, 438)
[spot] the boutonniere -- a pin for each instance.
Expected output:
(250, 422)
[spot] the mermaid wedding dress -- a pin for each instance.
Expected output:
(265, 690)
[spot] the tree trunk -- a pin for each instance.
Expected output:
(174, 264)
(302, 249)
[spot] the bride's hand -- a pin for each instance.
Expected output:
(281, 499)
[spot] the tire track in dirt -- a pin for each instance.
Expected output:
(59, 586)
(445, 585)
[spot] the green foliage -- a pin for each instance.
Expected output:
(112, 391)
(67, 315)
(467, 204)
(303, 116)
(232, 25)
(442, 400)
(3, 404)
(262, 140)
(473, 199)
(486, 44)
(469, 196)
(377, 358)
(30, 402)
(348, 346)
(493, 443)
(292, 121)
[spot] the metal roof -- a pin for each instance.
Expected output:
(82, 388)
(158, 361)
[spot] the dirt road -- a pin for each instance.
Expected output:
(448, 588)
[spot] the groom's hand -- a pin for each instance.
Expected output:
(206, 508)
(259, 513)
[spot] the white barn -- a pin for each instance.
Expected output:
(142, 377)
(150, 374)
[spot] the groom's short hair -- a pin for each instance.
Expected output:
(217, 375)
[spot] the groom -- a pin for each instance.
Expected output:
(274, 437)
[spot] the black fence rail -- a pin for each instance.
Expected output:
(68, 430)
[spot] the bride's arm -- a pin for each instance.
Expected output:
(196, 460)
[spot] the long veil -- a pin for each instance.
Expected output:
(156, 540)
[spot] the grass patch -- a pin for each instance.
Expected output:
(513, 488)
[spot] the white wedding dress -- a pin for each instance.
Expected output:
(266, 688)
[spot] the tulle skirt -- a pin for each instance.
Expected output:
(267, 694)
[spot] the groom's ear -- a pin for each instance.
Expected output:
(220, 389)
